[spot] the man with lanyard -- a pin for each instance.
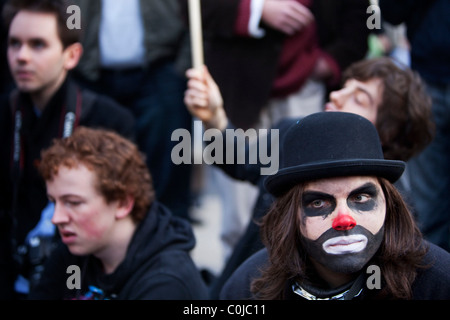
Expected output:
(45, 106)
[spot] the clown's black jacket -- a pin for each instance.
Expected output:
(431, 283)
(37, 133)
(157, 266)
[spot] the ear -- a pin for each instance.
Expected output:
(124, 207)
(72, 55)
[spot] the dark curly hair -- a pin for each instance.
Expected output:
(404, 121)
(119, 166)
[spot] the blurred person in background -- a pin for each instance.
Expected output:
(428, 27)
(136, 51)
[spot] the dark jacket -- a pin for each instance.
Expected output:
(432, 283)
(37, 134)
(165, 37)
(157, 266)
(245, 68)
(428, 27)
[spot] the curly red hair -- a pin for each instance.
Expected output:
(119, 166)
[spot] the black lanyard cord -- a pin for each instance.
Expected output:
(71, 119)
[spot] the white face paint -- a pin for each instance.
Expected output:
(346, 244)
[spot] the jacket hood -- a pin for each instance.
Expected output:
(159, 232)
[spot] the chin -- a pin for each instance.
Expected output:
(27, 87)
(78, 250)
(347, 264)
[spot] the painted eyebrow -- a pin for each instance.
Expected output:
(311, 195)
(369, 188)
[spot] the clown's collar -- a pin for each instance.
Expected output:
(346, 292)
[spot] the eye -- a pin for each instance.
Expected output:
(361, 99)
(361, 198)
(14, 43)
(317, 204)
(72, 203)
(38, 44)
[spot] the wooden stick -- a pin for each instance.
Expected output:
(195, 22)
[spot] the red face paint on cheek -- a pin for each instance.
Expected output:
(92, 226)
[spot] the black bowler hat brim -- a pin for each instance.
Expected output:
(287, 178)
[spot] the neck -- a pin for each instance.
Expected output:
(114, 254)
(43, 96)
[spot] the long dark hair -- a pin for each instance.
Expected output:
(399, 256)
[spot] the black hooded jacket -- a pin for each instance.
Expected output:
(157, 266)
(431, 283)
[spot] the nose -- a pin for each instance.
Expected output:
(338, 97)
(23, 53)
(59, 217)
(343, 221)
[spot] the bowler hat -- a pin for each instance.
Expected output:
(331, 144)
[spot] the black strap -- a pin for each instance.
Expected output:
(72, 113)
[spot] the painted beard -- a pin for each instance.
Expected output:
(344, 251)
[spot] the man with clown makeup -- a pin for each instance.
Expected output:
(392, 98)
(337, 214)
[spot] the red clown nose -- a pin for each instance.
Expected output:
(343, 222)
